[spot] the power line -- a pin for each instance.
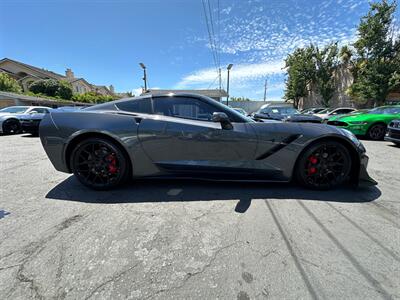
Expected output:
(213, 82)
(210, 36)
(213, 33)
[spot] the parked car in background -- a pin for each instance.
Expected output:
(284, 113)
(193, 136)
(30, 122)
(393, 132)
(372, 123)
(10, 117)
(331, 112)
(312, 110)
(240, 110)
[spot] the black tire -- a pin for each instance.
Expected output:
(11, 126)
(99, 164)
(324, 165)
(377, 132)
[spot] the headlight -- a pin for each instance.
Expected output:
(351, 136)
(358, 123)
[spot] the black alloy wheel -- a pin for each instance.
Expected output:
(11, 126)
(324, 165)
(99, 164)
(377, 132)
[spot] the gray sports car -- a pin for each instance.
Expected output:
(187, 135)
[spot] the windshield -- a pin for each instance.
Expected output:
(280, 110)
(234, 112)
(326, 111)
(385, 110)
(14, 109)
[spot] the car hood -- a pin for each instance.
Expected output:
(303, 133)
(288, 128)
(303, 117)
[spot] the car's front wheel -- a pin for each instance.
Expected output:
(11, 126)
(324, 165)
(377, 132)
(99, 163)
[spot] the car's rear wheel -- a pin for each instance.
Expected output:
(377, 132)
(99, 163)
(324, 165)
(11, 126)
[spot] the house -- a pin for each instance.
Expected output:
(26, 74)
(214, 94)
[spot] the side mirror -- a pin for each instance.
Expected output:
(221, 117)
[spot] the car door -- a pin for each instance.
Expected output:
(182, 137)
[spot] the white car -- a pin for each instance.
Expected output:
(330, 112)
(9, 117)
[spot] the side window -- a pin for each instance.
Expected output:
(139, 106)
(39, 110)
(181, 107)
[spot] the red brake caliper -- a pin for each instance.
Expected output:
(311, 169)
(112, 164)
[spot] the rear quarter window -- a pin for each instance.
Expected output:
(137, 106)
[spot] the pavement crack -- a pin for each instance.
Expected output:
(34, 249)
(114, 278)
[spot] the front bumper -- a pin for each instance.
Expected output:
(30, 126)
(363, 177)
(357, 129)
(393, 135)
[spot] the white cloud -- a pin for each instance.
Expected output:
(139, 90)
(240, 73)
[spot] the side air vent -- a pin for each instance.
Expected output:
(279, 146)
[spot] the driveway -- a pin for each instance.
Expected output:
(198, 240)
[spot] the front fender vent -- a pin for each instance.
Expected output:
(286, 141)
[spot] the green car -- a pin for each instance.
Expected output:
(371, 123)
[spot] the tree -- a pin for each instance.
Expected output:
(239, 99)
(377, 55)
(52, 88)
(326, 62)
(300, 74)
(9, 84)
(91, 97)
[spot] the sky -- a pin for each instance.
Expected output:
(104, 41)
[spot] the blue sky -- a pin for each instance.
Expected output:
(103, 41)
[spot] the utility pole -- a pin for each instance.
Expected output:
(227, 83)
(265, 90)
(144, 76)
(219, 76)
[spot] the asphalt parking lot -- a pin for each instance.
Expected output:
(195, 240)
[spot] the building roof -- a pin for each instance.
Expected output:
(209, 93)
(47, 73)
(53, 75)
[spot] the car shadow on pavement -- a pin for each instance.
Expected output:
(190, 190)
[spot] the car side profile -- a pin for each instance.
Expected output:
(10, 117)
(372, 123)
(332, 112)
(193, 136)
